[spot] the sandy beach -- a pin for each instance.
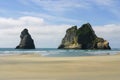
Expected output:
(33, 67)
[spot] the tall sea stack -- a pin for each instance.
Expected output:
(26, 41)
(83, 38)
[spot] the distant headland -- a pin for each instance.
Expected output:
(83, 38)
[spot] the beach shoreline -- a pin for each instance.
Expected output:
(35, 67)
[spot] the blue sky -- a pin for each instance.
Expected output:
(98, 12)
(43, 17)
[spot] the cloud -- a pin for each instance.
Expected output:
(105, 2)
(57, 5)
(52, 18)
(61, 7)
(109, 5)
(42, 33)
(25, 21)
(47, 35)
(110, 32)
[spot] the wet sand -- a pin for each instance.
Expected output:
(34, 67)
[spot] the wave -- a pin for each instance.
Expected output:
(52, 52)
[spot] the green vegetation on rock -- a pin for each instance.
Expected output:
(83, 38)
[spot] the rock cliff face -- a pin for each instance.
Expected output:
(26, 41)
(83, 38)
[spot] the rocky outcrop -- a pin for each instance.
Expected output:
(83, 38)
(26, 41)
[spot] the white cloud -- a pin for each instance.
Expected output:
(110, 32)
(104, 2)
(47, 35)
(57, 5)
(65, 6)
(109, 5)
(44, 35)
(51, 18)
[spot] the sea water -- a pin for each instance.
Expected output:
(53, 52)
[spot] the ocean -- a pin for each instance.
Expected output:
(53, 52)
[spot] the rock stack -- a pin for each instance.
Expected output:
(26, 41)
(83, 38)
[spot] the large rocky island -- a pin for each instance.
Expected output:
(26, 41)
(83, 38)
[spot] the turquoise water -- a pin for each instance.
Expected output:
(53, 52)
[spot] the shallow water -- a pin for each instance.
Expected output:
(53, 52)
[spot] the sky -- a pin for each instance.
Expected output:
(47, 20)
